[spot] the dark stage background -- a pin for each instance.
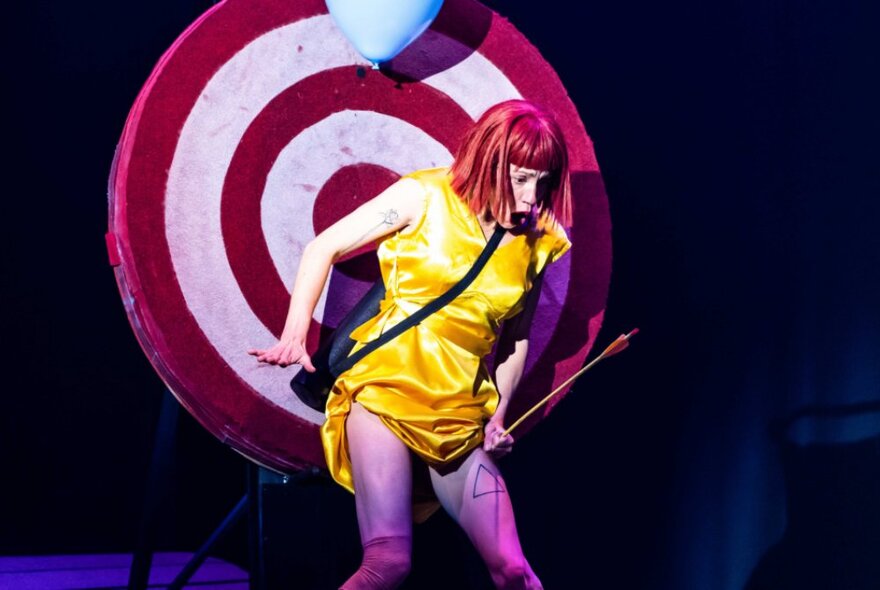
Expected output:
(738, 143)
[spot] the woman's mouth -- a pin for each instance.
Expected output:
(522, 219)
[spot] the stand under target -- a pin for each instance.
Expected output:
(259, 127)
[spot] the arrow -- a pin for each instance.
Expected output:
(619, 345)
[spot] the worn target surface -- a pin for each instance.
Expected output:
(261, 126)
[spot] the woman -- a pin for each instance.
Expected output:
(427, 396)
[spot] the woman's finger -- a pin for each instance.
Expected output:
(286, 357)
(263, 356)
(306, 361)
(499, 451)
(491, 444)
(502, 448)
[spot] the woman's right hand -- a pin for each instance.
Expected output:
(287, 352)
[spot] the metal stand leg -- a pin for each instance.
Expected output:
(255, 530)
(193, 564)
(302, 527)
(163, 446)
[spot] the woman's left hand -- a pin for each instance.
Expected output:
(495, 442)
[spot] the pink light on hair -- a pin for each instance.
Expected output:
(514, 132)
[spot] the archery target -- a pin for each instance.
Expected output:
(259, 127)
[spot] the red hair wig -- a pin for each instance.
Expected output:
(514, 132)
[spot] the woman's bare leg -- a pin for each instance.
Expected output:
(475, 496)
(382, 471)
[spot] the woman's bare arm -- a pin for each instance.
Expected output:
(513, 348)
(392, 210)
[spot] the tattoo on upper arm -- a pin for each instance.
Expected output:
(487, 482)
(389, 217)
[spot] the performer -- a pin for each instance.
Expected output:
(427, 397)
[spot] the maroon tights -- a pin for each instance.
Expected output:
(386, 563)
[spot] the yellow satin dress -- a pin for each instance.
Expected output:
(430, 385)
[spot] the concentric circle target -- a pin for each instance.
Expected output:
(261, 126)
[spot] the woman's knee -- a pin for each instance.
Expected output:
(393, 555)
(513, 573)
(385, 565)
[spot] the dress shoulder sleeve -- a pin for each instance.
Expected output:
(555, 239)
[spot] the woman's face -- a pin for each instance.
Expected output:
(528, 191)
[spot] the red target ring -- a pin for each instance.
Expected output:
(259, 127)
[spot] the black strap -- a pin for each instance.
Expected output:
(416, 318)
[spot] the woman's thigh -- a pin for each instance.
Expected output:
(382, 470)
(476, 497)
